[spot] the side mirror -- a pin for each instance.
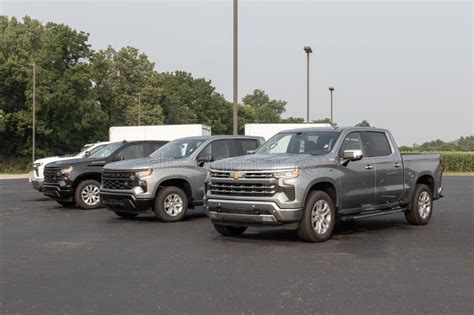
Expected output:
(87, 154)
(204, 159)
(352, 155)
(251, 151)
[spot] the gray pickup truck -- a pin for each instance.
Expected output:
(307, 179)
(171, 179)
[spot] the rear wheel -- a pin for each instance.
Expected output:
(319, 218)
(87, 194)
(171, 204)
(66, 203)
(230, 230)
(421, 206)
(126, 215)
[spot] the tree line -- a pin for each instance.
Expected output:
(81, 92)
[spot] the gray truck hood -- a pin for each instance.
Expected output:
(256, 162)
(147, 162)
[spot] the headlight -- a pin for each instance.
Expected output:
(37, 164)
(67, 170)
(144, 173)
(291, 173)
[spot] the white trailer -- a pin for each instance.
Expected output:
(269, 130)
(157, 132)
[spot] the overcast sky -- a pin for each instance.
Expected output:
(404, 66)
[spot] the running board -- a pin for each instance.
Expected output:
(372, 214)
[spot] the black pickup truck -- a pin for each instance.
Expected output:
(78, 181)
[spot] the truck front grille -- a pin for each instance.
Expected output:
(242, 189)
(51, 175)
(119, 180)
(232, 174)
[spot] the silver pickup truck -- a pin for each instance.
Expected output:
(308, 179)
(171, 179)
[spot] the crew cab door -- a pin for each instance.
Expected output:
(388, 167)
(358, 179)
(130, 152)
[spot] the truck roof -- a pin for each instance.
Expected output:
(335, 129)
(221, 137)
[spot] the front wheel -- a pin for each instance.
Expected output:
(421, 206)
(171, 204)
(230, 230)
(319, 218)
(87, 195)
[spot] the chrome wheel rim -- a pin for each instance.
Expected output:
(90, 195)
(321, 216)
(173, 204)
(424, 204)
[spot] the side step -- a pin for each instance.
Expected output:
(371, 214)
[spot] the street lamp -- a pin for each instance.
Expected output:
(34, 112)
(139, 108)
(307, 50)
(235, 109)
(331, 89)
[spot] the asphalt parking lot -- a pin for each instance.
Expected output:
(66, 260)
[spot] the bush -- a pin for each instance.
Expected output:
(456, 161)
(14, 165)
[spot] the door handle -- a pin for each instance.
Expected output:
(397, 165)
(369, 167)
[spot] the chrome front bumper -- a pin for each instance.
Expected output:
(251, 212)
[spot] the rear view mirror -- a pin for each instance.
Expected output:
(204, 159)
(352, 155)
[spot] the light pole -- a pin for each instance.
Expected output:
(34, 112)
(139, 108)
(235, 109)
(331, 89)
(307, 50)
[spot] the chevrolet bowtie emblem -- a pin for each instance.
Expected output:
(235, 175)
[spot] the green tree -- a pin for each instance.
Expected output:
(363, 123)
(293, 120)
(119, 77)
(266, 109)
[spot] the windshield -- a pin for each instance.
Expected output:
(312, 142)
(106, 151)
(178, 149)
(87, 148)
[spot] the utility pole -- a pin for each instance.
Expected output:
(331, 89)
(139, 109)
(34, 112)
(307, 50)
(236, 99)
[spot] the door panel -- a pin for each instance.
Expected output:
(358, 179)
(388, 167)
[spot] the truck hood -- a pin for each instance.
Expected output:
(75, 162)
(147, 162)
(256, 162)
(51, 159)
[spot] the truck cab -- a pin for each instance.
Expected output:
(171, 180)
(77, 181)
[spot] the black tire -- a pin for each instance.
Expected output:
(318, 232)
(66, 203)
(421, 206)
(177, 200)
(228, 230)
(86, 202)
(126, 215)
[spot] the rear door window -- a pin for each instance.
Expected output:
(376, 144)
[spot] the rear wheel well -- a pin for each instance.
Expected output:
(428, 180)
(94, 176)
(328, 188)
(181, 183)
